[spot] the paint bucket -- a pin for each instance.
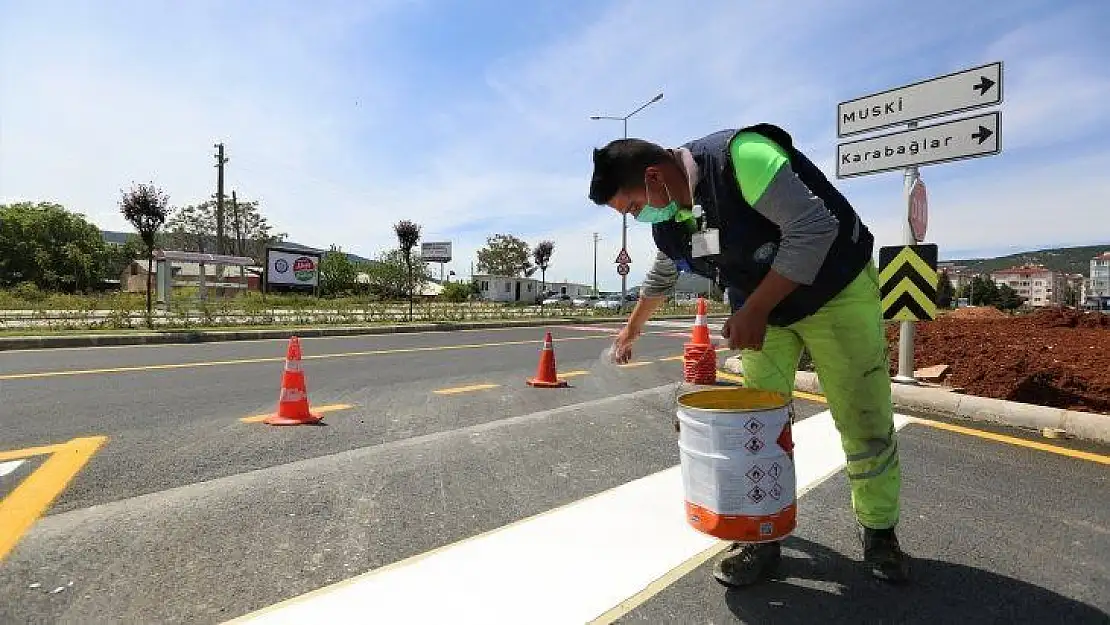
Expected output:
(737, 459)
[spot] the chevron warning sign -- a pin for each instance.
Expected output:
(908, 282)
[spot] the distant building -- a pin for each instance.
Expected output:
(1037, 285)
(1096, 293)
(958, 275)
(1100, 275)
(529, 290)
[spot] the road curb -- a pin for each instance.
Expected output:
(171, 337)
(946, 403)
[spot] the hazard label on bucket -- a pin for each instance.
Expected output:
(755, 473)
(754, 445)
(753, 425)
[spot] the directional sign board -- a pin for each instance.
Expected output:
(623, 258)
(908, 282)
(955, 140)
(944, 95)
(919, 210)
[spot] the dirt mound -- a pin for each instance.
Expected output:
(977, 312)
(1055, 357)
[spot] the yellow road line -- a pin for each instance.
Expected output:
(281, 359)
(17, 454)
(654, 588)
(571, 374)
(1020, 442)
(27, 502)
(642, 363)
(244, 361)
(318, 409)
(670, 358)
(465, 389)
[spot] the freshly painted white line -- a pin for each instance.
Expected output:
(566, 566)
(9, 466)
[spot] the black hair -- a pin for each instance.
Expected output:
(620, 165)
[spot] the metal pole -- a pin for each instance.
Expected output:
(624, 235)
(595, 263)
(906, 331)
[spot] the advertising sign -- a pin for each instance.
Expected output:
(292, 268)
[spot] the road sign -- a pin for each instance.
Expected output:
(944, 95)
(955, 140)
(622, 269)
(623, 258)
(908, 282)
(919, 210)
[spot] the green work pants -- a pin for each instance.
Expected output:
(847, 342)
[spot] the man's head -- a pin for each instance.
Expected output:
(630, 174)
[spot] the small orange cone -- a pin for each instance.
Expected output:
(700, 335)
(699, 355)
(545, 371)
(293, 402)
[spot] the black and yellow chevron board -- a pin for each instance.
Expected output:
(908, 282)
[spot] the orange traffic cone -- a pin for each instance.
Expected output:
(700, 335)
(545, 371)
(699, 355)
(293, 402)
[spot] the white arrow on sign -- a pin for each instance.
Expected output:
(944, 95)
(956, 140)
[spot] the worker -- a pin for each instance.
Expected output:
(748, 210)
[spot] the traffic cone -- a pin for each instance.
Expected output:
(700, 355)
(293, 402)
(545, 371)
(700, 335)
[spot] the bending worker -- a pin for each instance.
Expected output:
(748, 210)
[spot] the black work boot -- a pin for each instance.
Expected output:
(884, 556)
(743, 564)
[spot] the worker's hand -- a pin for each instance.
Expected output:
(745, 329)
(622, 347)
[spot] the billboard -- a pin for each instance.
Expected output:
(439, 252)
(292, 268)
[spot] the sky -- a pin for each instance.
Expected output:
(473, 118)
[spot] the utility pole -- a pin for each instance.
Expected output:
(238, 247)
(220, 162)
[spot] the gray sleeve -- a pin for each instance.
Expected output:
(661, 278)
(808, 227)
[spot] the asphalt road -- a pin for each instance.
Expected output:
(185, 513)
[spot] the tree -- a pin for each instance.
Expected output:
(1008, 299)
(505, 255)
(338, 274)
(146, 208)
(981, 291)
(945, 292)
(389, 277)
(51, 247)
(193, 229)
(408, 234)
(1070, 296)
(542, 257)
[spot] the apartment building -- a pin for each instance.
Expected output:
(1035, 284)
(1100, 276)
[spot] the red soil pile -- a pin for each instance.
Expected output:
(1053, 357)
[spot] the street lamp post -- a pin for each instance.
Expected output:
(624, 216)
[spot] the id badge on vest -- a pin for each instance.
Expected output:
(705, 243)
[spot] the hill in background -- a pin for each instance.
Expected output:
(1065, 259)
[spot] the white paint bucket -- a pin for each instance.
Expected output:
(738, 463)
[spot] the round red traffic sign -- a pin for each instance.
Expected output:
(919, 210)
(622, 269)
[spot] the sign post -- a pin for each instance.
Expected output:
(436, 252)
(623, 261)
(907, 150)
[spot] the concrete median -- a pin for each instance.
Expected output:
(947, 403)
